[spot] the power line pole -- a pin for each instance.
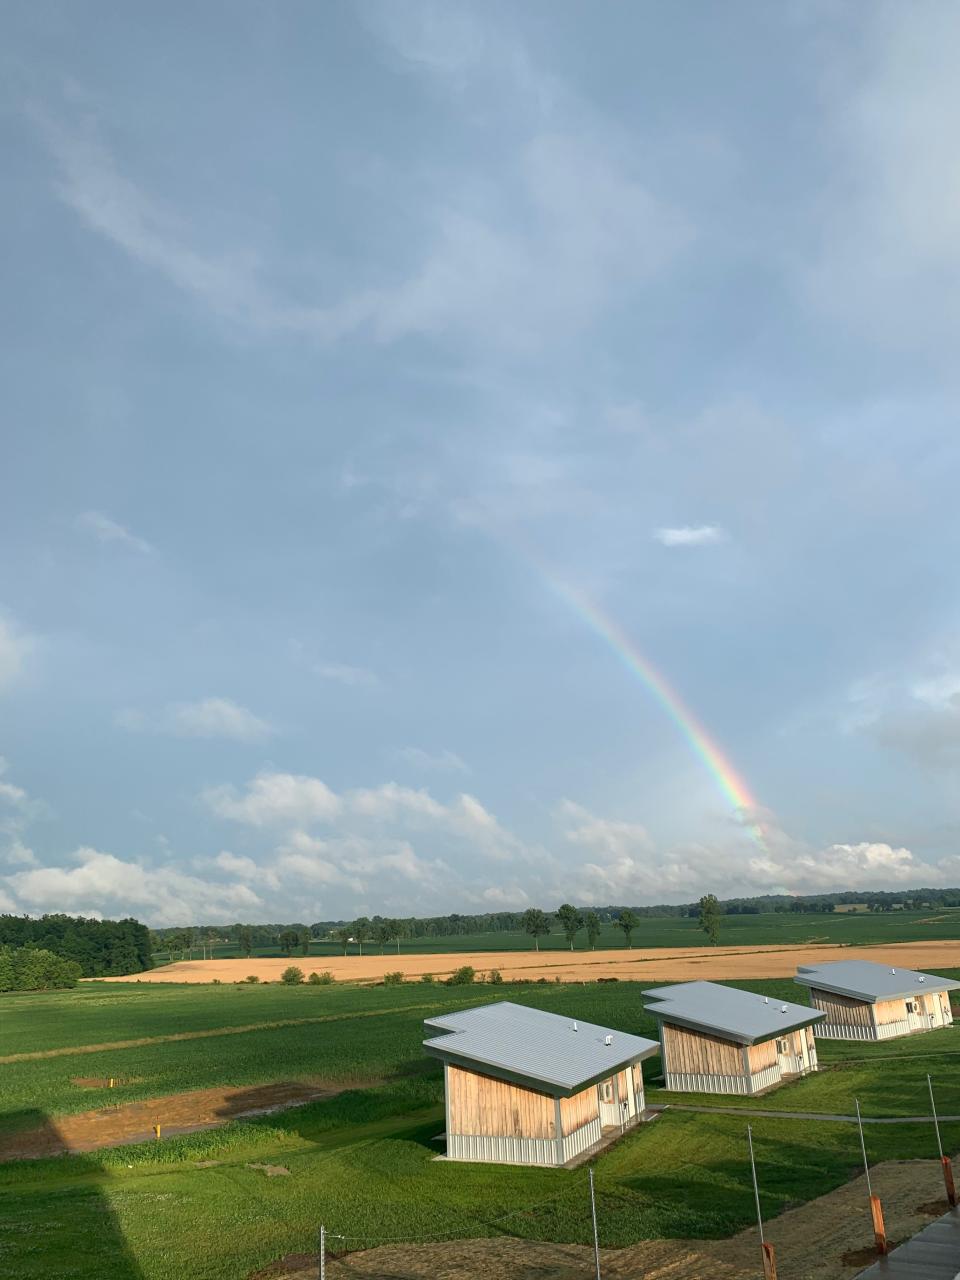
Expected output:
(322, 1271)
(945, 1164)
(593, 1214)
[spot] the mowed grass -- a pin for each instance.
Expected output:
(363, 1162)
(786, 928)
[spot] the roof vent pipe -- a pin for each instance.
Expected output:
(608, 1039)
(575, 1027)
(893, 971)
(783, 1008)
(766, 999)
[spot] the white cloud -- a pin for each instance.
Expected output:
(100, 884)
(436, 761)
(106, 530)
(918, 717)
(15, 645)
(205, 718)
(342, 673)
(700, 535)
(275, 799)
(505, 897)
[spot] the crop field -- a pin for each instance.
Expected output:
(855, 929)
(362, 1161)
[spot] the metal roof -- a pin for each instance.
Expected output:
(554, 1053)
(727, 1012)
(932, 1254)
(864, 980)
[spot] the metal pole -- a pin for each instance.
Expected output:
(323, 1253)
(936, 1122)
(593, 1214)
(863, 1147)
(756, 1189)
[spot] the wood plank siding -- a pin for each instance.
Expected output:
(701, 1063)
(579, 1110)
(849, 1019)
(486, 1107)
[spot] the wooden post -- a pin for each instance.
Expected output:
(156, 1130)
(948, 1182)
(769, 1262)
(879, 1233)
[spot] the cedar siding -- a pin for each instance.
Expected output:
(850, 1019)
(700, 1063)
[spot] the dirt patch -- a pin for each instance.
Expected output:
(180, 1113)
(293, 1262)
(272, 1170)
(649, 964)
(866, 1257)
(811, 1241)
(933, 1208)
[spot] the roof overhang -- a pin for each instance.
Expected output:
(556, 1088)
(931, 987)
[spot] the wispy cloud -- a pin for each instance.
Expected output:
(206, 718)
(439, 761)
(106, 530)
(15, 645)
(699, 535)
(342, 673)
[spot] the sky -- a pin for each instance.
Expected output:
(457, 457)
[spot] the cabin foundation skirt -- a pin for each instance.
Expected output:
(504, 1150)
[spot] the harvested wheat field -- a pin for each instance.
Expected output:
(651, 964)
(132, 1122)
(826, 1239)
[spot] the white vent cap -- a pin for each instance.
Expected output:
(920, 979)
(608, 1039)
(575, 1027)
(783, 1008)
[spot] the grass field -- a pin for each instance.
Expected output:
(362, 1161)
(843, 927)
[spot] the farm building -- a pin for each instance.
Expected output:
(716, 1039)
(527, 1087)
(867, 1001)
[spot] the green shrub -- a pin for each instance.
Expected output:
(393, 979)
(291, 976)
(426, 977)
(464, 975)
(251, 978)
(495, 976)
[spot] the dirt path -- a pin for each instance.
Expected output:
(180, 1113)
(811, 1243)
(645, 964)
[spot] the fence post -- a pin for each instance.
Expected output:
(945, 1164)
(593, 1214)
(323, 1253)
(767, 1252)
(876, 1209)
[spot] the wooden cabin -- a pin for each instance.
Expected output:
(527, 1087)
(861, 1000)
(717, 1039)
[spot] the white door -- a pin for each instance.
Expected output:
(609, 1107)
(917, 1019)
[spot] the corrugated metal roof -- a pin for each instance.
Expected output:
(864, 980)
(932, 1254)
(546, 1049)
(742, 1016)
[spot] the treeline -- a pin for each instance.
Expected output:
(100, 948)
(34, 969)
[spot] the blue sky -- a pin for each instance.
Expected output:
(332, 333)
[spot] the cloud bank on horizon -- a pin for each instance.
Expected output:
(354, 330)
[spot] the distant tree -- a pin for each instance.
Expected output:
(343, 935)
(361, 932)
(291, 976)
(304, 942)
(571, 922)
(536, 923)
(287, 941)
(245, 940)
(627, 920)
(710, 913)
(593, 929)
(462, 977)
(382, 934)
(398, 930)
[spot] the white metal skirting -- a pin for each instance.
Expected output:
(465, 1146)
(580, 1139)
(696, 1082)
(887, 1030)
(843, 1031)
(766, 1078)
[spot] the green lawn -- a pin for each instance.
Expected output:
(362, 1162)
(857, 929)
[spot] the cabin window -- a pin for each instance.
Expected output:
(911, 1006)
(606, 1091)
(783, 1046)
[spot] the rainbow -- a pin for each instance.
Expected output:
(731, 785)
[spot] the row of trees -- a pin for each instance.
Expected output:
(101, 948)
(35, 969)
(538, 923)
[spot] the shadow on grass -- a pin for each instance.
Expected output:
(56, 1219)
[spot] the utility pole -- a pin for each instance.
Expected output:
(322, 1271)
(945, 1164)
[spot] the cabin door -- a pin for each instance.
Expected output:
(917, 1019)
(609, 1106)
